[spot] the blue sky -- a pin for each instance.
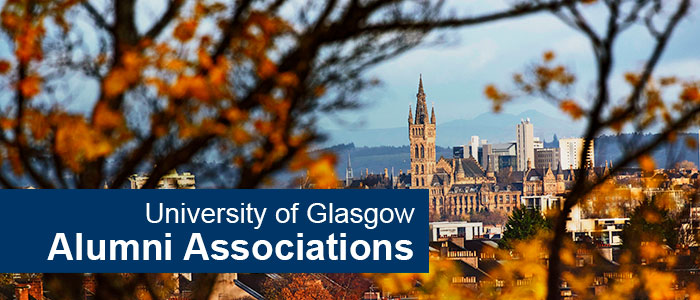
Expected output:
(455, 73)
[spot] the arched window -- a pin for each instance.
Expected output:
(422, 151)
(422, 170)
(417, 153)
(416, 169)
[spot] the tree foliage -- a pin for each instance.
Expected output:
(647, 103)
(244, 82)
(95, 91)
(651, 225)
(240, 82)
(524, 224)
(488, 217)
(296, 286)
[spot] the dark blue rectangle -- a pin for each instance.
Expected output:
(34, 219)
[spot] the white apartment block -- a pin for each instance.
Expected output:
(525, 144)
(571, 150)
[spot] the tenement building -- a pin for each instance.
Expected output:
(457, 186)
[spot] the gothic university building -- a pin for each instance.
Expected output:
(460, 186)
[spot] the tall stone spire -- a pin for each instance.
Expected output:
(432, 114)
(410, 115)
(420, 84)
(421, 106)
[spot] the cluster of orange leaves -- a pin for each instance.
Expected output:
(540, 82)
(169, 69)
(305, 286)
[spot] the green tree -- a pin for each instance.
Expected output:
(650, 224)
(523, 224)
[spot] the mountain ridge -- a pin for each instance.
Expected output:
(496, 128)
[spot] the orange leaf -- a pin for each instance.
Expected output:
(571, 108)
(266, 68)
(548, 56)
(4, 66)
(185, 30)
(106, 118)
(180, 87)
(322, 172)
(631, 78)
(288, 79)
(647, 163)
(199, 88)
(319, 91)
(690, 94)
(30, 86)
(217, 75)
(115, 83)
(204, 59)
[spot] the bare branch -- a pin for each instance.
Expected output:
(170, 13)
(96, 16)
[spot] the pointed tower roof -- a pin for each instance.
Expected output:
(420, 84)
(349, 165)
(410, 115)
(421, 106)
(432, 114)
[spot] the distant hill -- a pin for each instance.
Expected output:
(612, 147)
(375, 159)
(607, 147)
(490, 126)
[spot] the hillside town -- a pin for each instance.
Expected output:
(473, 197)
(474, 193)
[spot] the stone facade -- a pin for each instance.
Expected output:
(457, 186)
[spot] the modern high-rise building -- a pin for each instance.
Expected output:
(503, 156)
(525, 144)
(474, 147)
(485, 156)
(571, 153)
(348, 173)
(460, 151)
(547, 158)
